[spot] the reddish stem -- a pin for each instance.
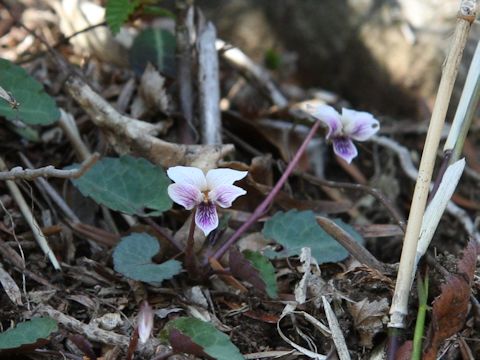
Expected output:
(132, 345)
(189, 255)
(268, 200)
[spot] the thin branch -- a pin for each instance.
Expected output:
(252, 71)
(18, 264)
(94, 333)
(184, 30)
(19, 173)
(394, 213)
(69, 127)
(352, 246)
(32, 222)
(164, 234)
(209, 88)
(50, 190)
(76, 33)
(129, 134)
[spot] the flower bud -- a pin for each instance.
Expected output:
(145, 322)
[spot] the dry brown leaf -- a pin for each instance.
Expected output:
(152, 95)
(451, 307)
(369, 318)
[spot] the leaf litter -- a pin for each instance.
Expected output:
(271, 297)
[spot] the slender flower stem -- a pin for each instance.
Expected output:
(163, 234)
(189, 256)
(268, 200)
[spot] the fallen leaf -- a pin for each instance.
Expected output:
(254, 268)
(152, 96)
(369, 318)
(451, 307)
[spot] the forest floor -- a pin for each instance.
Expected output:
(113, 108)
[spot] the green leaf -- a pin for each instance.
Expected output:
(254, 268)
(272, 59)
(133, 258)
(213, 342)
(155, 46)
(127, 184)
(158, 11)
(294, 230)
(265, 269)
(118, 12)
(35, 106)
(27, 333)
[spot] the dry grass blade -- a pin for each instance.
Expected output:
(337, 334)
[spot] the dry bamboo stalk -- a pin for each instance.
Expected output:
(399, 308)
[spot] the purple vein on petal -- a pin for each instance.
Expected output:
(344, 147)
(206, 217)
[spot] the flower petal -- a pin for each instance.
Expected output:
(206, 217)
(330, 117)
(185, 194)
(359, 125)
(218, 177)
(188, 175)
(344, 147)
(224, 195)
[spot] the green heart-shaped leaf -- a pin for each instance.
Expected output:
(295, 230)
(133, 258)
(35, 106)
(127, 184)
(213, 342)
(27, 333)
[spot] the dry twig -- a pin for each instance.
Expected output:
(353, 247)
(94, 333)
(27, 214)
(18, 173)
(127, 134)
(184, 32)
(253, 72)
(209, 89)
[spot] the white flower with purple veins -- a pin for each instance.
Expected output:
(343, 129)
(193, 188)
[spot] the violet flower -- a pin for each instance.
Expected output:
(343, 129)
(193, 188)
